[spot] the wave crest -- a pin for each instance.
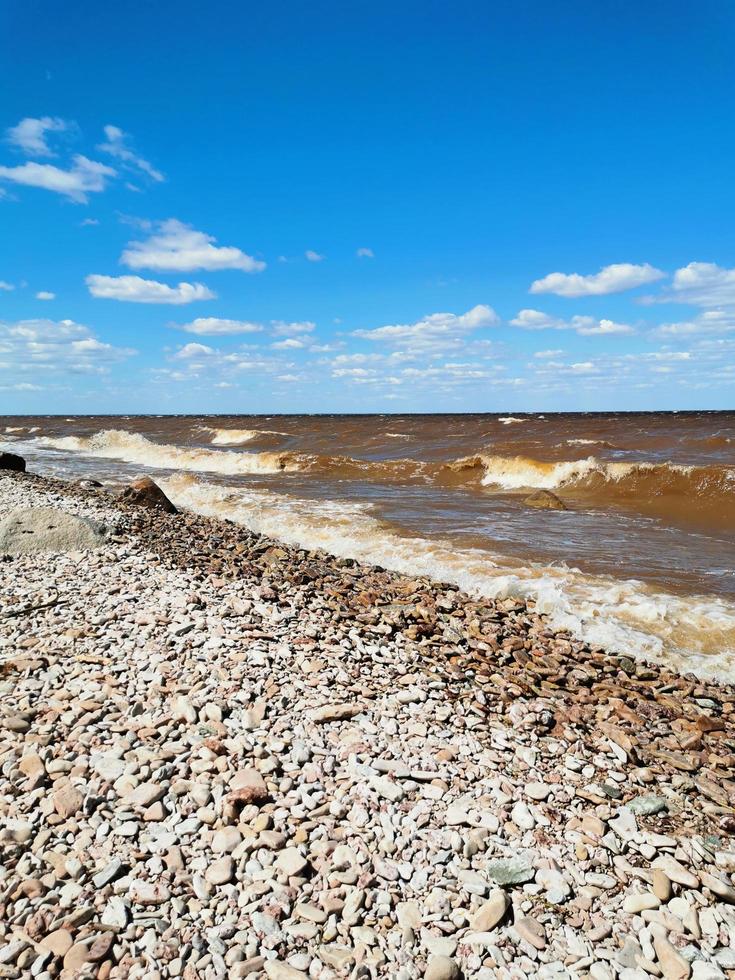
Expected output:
(131, 447)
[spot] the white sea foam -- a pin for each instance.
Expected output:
(617, 615)
(236, 437)
(131, 447)
(509, 419)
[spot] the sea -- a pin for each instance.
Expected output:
(641, 561)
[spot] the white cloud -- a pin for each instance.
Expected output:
(585, 326)
(45, 294)
(611, 279)
(6, 286)
(283, 329)
(89, 222)
(312, 256)
(133, 289)
(115, 147)
(85, 177)
(437, 329)
(176, 247)
(194, 350)
(290, 343)
(365, 253)
(290, 378)
(30, 135)
(708, 322)
(703, 284)
(544, 354)
(212, 326)
(33, 346)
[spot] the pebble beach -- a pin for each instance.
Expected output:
(223, 756)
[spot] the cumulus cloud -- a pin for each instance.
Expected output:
(194, 350)
(115, 146)
(365, 253)
(614, 278)
(133, 289)
(45, 294)
(585, 326)
(83, 178)
(33, 346)
(545, 354)
(434, 330)
(703, 284)
(30, 135)
(312, 256)
(212, 326)
(177, 247)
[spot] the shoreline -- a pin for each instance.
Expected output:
(377, 772)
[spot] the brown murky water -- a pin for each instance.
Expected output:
(642, 559)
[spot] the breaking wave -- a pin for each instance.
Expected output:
(686, 632)
(131, 447)
(236, 437)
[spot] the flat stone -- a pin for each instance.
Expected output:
(661, 885)
(510, 871)
(221, 871)
(67, 801)
(531, 931)
(144, 795)
(675, 871)
(442, 968)
(491, 913)
(671, 962)
(226, 840)
(335, 712)
(275, 970)
(291, 862)
(148, 892)
(31, 530)
(647, 806)
(58, 942)
(76, 957)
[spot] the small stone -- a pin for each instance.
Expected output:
(67, 801)
(661, 885)
(282, 971)
(672, 963)
(647, 806)
(531, 931)
(675, 871)
(221, 871)
(148, 892)
(335, 712)
(522, 816)
(510, 871)
(442, 968)
(76, 957)
(491, 913)
(226, 840)
(291, 862)
(58, 942)
(639, 901)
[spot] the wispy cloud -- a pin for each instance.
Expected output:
(212, 326)
(6, 286)
(702, 284)
(133, 289)
(365, 253)
(284, 329)
(585, 326)
(177, 247)
(116, 146)
(312, 256)
(83, 178)
(45, 295)
(610, 279)
(29, 135)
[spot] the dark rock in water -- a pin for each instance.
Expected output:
(146, 493)
(88, 484)
(9, 461)
(545, 500)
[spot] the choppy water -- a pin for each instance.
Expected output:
(643, 560)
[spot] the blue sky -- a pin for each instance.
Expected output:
(350, 207)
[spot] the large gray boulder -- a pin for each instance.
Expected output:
(32, 529)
